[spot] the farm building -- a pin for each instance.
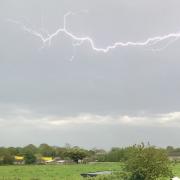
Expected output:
(19, 159)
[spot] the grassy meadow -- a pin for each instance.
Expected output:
(59, 172)
(53, 172)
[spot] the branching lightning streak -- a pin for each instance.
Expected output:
(46, 38)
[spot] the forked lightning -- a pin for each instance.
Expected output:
(46, 38)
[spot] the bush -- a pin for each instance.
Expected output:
(147, 163)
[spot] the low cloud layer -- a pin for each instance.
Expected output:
(21, 126)
(25, 117)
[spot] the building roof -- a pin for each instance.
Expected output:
(19, 158)
(46, 158)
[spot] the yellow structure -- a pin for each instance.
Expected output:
(19, 158)
(46, 158)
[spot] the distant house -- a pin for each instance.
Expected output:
(56, 160)
(46, 160)
(19, 159)
(60, 162)
(64, 162)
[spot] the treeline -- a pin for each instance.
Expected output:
(173, 151)
(33, 154)
(122, 154)
(116, 155)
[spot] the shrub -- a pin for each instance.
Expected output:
(147, 163)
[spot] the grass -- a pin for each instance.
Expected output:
(53, 172)
(59, 172)
(176, 169)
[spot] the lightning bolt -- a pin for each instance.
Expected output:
(47, 38)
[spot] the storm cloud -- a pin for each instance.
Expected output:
(128, 95)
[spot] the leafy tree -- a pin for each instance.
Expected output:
(46, 150)
(115, 155)
(12, 150)
(61, 152)
(169, 148)
(147, 163)
(2, 151)
(76, 154)
(30, 148)
(19, 151)
(8, 159)
(29, 158)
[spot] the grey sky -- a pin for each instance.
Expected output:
(126, 96)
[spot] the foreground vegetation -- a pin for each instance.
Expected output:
(53, 172)
(60, 172)
(137, 162)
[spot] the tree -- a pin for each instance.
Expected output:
(3, 151)
(147, 163)
(29, 158)
(8, 159)
(12, 150)
(169, 148)
(61, 152)
(19, 151)
(30, 148)
(46, 150)
(76, 154)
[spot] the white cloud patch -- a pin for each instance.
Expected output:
(169, 119)
(16, 116)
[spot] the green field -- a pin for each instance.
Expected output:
(53, 172)
(59, 172)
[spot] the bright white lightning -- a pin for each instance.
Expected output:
(45, 37)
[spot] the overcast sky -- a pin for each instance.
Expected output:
(125, 96)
